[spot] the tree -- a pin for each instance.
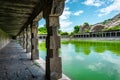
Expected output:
(72, 33)
(64, 33)
(42, 30)
(76, 29)
(86, 24)
(87, 31)
(59, 31)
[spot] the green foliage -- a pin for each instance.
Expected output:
(42, 30)
(64, 33)
(41, 46)
(86, 24)
(72, 33)
(76, 29)
(112, 28)
(60, 31)
(105, 21)
(86, 31)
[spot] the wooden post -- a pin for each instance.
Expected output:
(34, 41)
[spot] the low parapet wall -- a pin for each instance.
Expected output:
(4, 39)
(100, 39)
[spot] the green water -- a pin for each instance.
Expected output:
(89, 60)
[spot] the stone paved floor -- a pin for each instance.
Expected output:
(15, 64)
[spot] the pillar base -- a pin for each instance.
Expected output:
(53, 68)
(28, 50)
(35, 54)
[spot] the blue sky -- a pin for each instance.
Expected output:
(76, 12)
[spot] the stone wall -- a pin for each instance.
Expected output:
(98, 39)
(4, 39)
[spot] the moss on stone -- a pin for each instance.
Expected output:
(4, 38)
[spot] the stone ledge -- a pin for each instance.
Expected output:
(41, 63)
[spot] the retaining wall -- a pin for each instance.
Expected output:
(98, 38)
(4, 39)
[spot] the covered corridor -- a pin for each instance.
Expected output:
(19, 21)
(15, 64)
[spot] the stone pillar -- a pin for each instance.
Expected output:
(19, 39)
(105, 34)
(83, 35)
(91, 34)
(119, 33)
(102, 34)
(116, 34)
(24, 34)
(53, 61)
(110, 34)
(34, 41)
(28, 39)
(23, 39)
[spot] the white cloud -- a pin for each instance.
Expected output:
(80, 57)
(96, 3)
(64, 20)
(92, 67)
(115, 6)
(78, 13)
(71, 1)
(67, 1)
(114, 60)
(66, 14)
(96, 66)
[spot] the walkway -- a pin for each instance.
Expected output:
(15, 64)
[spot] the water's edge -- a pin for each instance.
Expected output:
(41, 63)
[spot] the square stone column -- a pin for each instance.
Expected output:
(24, 34)
(53, 61)
(51, 12)
(115, 34)
(34, 41)
(110, 34)
(23, 37)
(102, 34)
(20, 41)
(28, 39)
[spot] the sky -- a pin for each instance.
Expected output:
(76, 12)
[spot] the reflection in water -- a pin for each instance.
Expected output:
(89, 60)
(98, 47)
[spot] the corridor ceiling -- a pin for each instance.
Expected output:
(17, 14)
